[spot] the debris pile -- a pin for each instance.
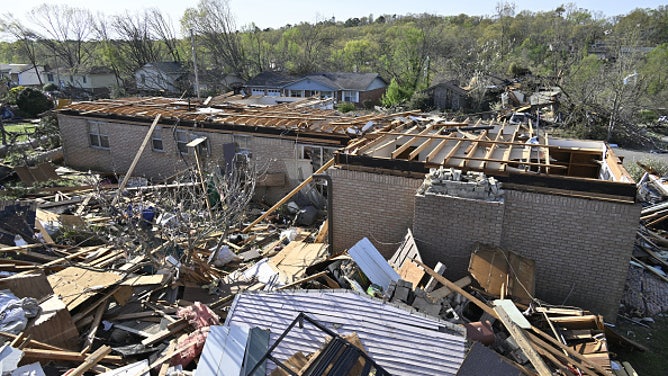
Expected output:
(148, 280)
(453, 182)
(646, 291)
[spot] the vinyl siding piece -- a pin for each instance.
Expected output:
(400, 340)
(372, 263)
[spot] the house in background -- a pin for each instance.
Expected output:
(269, 84)
(169, 77)
(94, 82)
(22, 74)
(448, 95)
(361, 89)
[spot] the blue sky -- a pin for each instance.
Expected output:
(273, 13)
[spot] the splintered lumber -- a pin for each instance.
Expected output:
(289, 195)
(91, 360)
(33, 343)
(147, 138)
(305, 279)
(71, 356)
(522, 341)
(582, 363)
(172, 329)
(93, 327)
(650, 269)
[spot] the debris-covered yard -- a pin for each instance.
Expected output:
(115, 274)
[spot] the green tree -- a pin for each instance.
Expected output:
(33, 102)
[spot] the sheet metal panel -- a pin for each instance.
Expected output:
(401, 340)
(373, 264)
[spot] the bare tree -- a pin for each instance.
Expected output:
(137, 44)
(64, 31)
(162, 30)
(27, 38)
(182, 214)
(214, 24)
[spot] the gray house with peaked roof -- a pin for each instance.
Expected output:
(164, 76)
(358, 88)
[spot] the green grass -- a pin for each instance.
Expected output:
(652, 362)
(21, 128)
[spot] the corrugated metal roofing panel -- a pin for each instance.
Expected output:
(223, 352)
(401, 340)
(373, 264)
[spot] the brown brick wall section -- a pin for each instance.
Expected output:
(445, 229)
(379, 207)
(582, 247)
(126, 138)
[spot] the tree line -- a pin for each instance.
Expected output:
(611, 70)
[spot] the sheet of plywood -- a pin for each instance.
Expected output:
(412, 273)
(75, 285)
(54, 325)
(292, 261)
(496, 269)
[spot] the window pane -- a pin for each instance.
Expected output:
(104, 141)
(94, 141)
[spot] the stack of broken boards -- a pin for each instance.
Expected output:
(75, 299)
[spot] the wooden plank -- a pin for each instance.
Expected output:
(34, 343)
(522, 341)
(305, 279)
(486, 308)
(91, 360)
(147, 138)
(71, 356)
(445, 290)
(93, 327)
(287, 197)
(161, 335)
(473, 148)
(410, 142)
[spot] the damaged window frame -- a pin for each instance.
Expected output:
(183, 138)
(98, 137)
(157, 144)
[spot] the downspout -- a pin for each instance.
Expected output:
(330, 212)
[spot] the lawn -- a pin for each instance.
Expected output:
(24, 129)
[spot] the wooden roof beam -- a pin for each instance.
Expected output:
(493, 147)
(437, 149)
(473, 148)
(410, 142)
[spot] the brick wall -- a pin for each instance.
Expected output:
(445, 229)
(125, 138)
(379, 207)
(582, 247)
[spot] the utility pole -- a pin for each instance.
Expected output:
(192, 47)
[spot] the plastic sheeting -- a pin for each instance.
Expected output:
(15, 312)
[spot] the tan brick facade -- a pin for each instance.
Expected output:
(379, 207)
(270, 154)
(581, 246)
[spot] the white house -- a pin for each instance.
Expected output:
(90, 82)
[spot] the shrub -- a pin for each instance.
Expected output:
(33, 102)
(421, 101)
(346, 107)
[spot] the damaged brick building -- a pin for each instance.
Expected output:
(567, 204)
